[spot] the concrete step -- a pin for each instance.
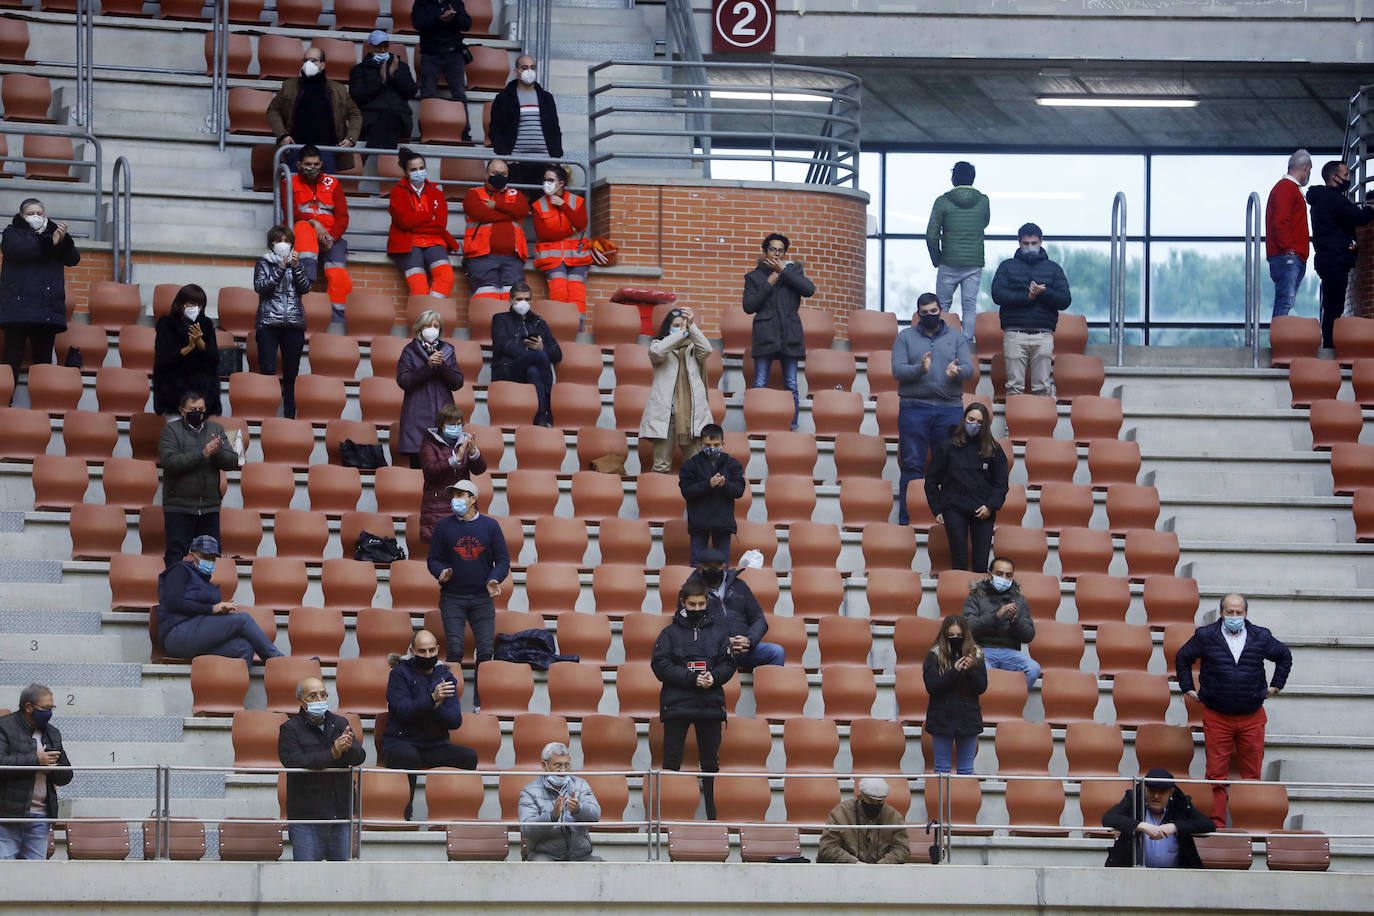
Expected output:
(1301, 480)
(1263, 527)
(50, 647)
(1278, 429)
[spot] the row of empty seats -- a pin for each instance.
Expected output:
(350, 15)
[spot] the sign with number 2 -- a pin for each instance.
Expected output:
(743, 25)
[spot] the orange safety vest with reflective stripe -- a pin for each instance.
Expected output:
(477, 235)
(554, 228)
(324, 202)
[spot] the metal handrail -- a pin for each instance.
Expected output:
(830, 150)
(217, 121)
(1116, 291)
(121, 219)
(1254, 255)
(1355, 144)
(281, 184)
(683, 35)
(97, 166)
(534, 30)
(84, 111)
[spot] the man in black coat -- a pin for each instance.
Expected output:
(730, 597)
(317, 739)
(1030, 291)
(523, 349)
(441, 24)
(525, 126)
(1334, 221)
(711, 481)
(27, 739)
(692, 659)
(1233, 652)
(1160, 832)
(773, 292)
(383, 87)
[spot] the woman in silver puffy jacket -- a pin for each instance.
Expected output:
(280, 281)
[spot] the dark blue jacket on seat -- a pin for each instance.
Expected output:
(411, 716)
(183, 592)
(1228, 687)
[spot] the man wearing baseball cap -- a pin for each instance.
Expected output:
(192, 618)
(865, 828)
(1157, 830)
(468, 555)
(383, 86)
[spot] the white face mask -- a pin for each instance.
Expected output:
(381, 58)
(309, 69)
(430, 334)
(550, 188)
(36, 221)
(527, 77)
(282, 250)
(192, 312)
(520, 307)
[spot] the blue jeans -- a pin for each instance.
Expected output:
(764, 653)
(1013, 660)
(921, 425)
(1286, 271)
(459, 612)
(701, 540)
(967, 280)
(967, 750)
(764, 365)
(24, 841)
(234, 635)
(319, 842)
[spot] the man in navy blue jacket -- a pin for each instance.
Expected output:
(1233, 690)
(710, 482)
(468, 555)
(193, 620)
(1030, 291)
(422, 707)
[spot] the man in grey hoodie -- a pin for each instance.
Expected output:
(930, 361)
(954, 236)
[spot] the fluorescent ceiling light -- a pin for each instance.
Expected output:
(1118, 101)
(765, 96)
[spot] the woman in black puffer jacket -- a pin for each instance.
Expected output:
(955, 677)
(33, 299)
(966, 483)
(280, 282)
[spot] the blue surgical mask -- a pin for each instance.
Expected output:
(1000, 584)
(316, 709)
(556, 780)
(454, 431)
(206, 566)
(460, 506)
(381, 58)
(973, 429)
(419, 177)
(1233, 624)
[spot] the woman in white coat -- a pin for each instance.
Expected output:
(677, 407)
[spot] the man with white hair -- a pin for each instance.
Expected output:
(1285, 231)
(551, 805)
(865, 829)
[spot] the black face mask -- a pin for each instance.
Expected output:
(713, 575)
(871, 810)
(426, 663)
(1342, 184)
(498, 182)
(694, 617)
(956, 645)
(928, 322)
(194, 418)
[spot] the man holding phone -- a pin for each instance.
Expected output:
(317, 739)
(27, 738)
(421, 709)
(523, 350)
(1000, 618)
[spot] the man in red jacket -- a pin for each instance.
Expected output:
(494, 245)
(1285, 232)
(319, 216)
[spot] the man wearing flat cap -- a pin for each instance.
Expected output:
(468, 555)
(1158, 829)
(192, 617)
(865, 828)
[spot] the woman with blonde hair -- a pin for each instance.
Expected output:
(428, 373)
(677, 408)
(955, 676)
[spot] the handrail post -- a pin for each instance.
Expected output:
(1253, 209)
(1116, 291)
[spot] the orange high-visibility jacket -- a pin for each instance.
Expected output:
(554, 228)
(324, 202)
(482, 209)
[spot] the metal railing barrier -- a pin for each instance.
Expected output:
(1254, 257)
(96, 165)
(1116, 291)
(121, 219)
(533, 31)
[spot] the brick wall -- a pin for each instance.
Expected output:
(705, 237)
(1363, 281)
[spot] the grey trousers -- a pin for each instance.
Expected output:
(1029, 354)
(967, 280)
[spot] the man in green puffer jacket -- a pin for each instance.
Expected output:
(955, 239)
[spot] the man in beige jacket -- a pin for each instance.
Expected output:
(851, 834)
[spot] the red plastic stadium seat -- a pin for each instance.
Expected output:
(1362, 380)
(1057, 645)
(1140, 697)
(1070, 335)
(1076, 375)
(1334, 421)
(1151, 553)
(828, 369)
(248, 111)
(1311, 379)
(1026, 547)
(1031, 416)
(88, 435)
(1101, 598)
(871, 330)
(1065, 505)
(1049, 460)
(1354, 339)
(1113, 461)
(1095, 417)
(120, 391)
(1352, 467)
(1069, 696)
(1131, 506)
(1291, 337)
(1083, 550)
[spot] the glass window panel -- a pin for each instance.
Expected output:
(728, 169)
(1087, 265)
(1064, 194)
(871, 180)
(1197, 337)
(908, 273)
(1102, 337)
(1205, 195)
(1205, 282)
(873, 275)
